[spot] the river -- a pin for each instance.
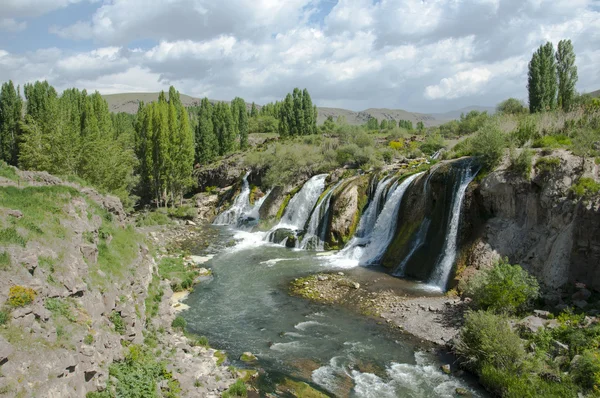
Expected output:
(246, 307)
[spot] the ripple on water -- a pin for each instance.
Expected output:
(306, 324)
(272, 262)
(285, 347)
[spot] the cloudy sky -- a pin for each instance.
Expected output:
(420, 55)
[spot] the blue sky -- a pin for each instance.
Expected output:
(419, 55)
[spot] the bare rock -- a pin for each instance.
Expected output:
(15, 213)
(541, 314)
(5, 350)
(581, 295)
(446, 369)
(90, 252)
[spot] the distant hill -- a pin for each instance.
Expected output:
(595, 93)
(128, 102)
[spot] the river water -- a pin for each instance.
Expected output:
(246, 307)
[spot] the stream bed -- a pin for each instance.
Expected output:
(246, 307)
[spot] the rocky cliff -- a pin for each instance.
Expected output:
(536, 221)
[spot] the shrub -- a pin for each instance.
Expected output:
(11, 235)
(183, 212)
(117, 321)
(511, 106)
(212, 190)
(179, 323)
(552, 141)
(547, 164)
(5, 260)
(526, 131)
(585, 188)
(586, 371)
(486, 339)
(19, 296)
(3, 317)
(432, 144)
(488, 145)
(237, 389)
(522, 163)
(152, 218)
(88, 339)
(60, 307)
(202, 341)
(397, 145)
(503, 288)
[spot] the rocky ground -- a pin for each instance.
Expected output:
(435, 319)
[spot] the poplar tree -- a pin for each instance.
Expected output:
(541, 82)
(240, 118)
(286, 117)
(310, 119)
(223, 127)
(567, 74)
(207, 145)
(297, 126)
(253, 110)
(11, 106)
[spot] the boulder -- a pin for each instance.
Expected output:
(15, 213)
(347, 203)
(532, 323)
(581, 295)
(446, 369)
(248, 357)
(89, 252)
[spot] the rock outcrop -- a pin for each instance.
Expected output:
(347, 204)
(537, 222)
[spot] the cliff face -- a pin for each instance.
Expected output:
(536, 222)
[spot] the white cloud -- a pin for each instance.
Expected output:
(12, 25)
(459, 85)
(33, 8)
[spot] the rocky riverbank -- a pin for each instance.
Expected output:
(435, 319)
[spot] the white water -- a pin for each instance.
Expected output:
(240, 206)
(299, 208)
(441, 272)
(369, 217)
(371, 247)
(315, 236)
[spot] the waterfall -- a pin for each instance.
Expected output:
(418, 242)
(240, 206)
(300, 206)
(441, 272)
(371, 247)
(317, 225)
(369, 217)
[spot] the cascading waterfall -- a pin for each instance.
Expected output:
(371, 247)
(299, 208)
(317, 225)
(441, 272)
(369, 217)
(240, 206)
(417, 244)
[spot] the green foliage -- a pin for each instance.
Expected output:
(179, 323)
(526, 131)
(552, 142)
(432, 144)
(117, 321)
(154, 297)
(11, 236)
(148, 219)
(3, 317)
(139, 374)
(586, 371)
(20, 296)
(541, 82)
(183, 212)
(487, 339)
(503, 288)
(547, 164)
(488, 145)
(586, 188)
(584, 141)
(8, 172)
(88, 339)
(237, 389)
(5, 260)
(201, 341)
(60, 307)
(115, 258)
(472, 121)
(567, 74)
(511, 106)
(522, 163)
(11, 106)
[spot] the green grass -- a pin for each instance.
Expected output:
(237, 389)
(586, 188)
(60, 307)
(12, 236)
(547, 164)
(8, 172)
(149, 219)
(553, 142)
(174, 268)
(5, 261)
(154, 297)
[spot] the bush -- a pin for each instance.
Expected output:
(397, 145)
(432, 144)
(152, 218)
(586, 371)
(3, 317)
(511, 106)
(522, 163)
(525, 132)
(504, 288)
(547, 165)
(5, 260)
(237, 389)
(11, 235)
(488, 145)
(202, 341)
(20, 296)
(552, 142)
(179, 323)
(212, 190)
(117, 321)
(586, 188)
(88, 339)
(486, 339)
(183, 212)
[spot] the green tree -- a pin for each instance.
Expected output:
(567, 74)
(207, 145)
(223, 127)
(11, 106)
(383, 125)
(372, 124)
(240, 120)
(511, 106)
(420, 126)
(310, 117)
(253, 110)
(297, 126)
(286, 117)
(488, 145)
(541, 83)
(391, 124)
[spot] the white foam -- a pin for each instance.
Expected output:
(272, 262)
(331, 376)
(306, 324)
(283, 347)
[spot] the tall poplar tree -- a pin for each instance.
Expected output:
(11, 106)
(567, 74)
(541, 83)
(310, 121)
(207, 145)
(240, 119)
(297, 126)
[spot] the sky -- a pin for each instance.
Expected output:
(418, 55)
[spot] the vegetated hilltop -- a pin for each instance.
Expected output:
(128, 103)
